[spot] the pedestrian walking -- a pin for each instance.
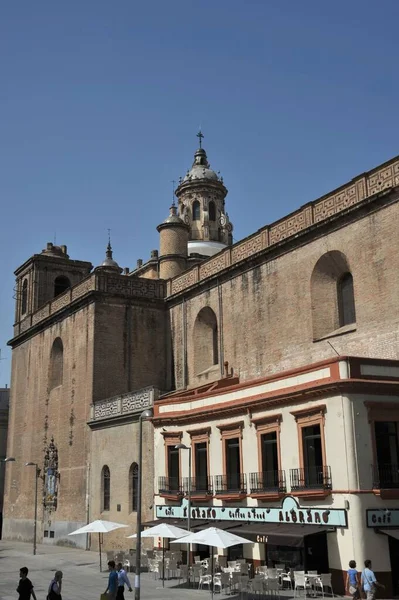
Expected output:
(353, 581)
(369, 581)
(25, 586)
(112, 588)
(122, 580)
(54, 589)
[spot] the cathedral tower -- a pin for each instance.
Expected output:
(201, 197)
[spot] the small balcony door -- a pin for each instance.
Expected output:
(173, 468)
(201, 466)
(312, 456)
(270, 465)
(233, 464)
(386, 441)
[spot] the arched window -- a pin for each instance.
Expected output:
(61, 284)
(346, 300)
(56, 364)
(105, 488)
(212, 211)
(331, 288)
(24, 303)
(196, 211)
(133, 486)
(205, 340)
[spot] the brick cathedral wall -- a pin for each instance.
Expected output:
(36, 414)
(267, 311)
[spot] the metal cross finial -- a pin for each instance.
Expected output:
(109, 238)
(173, 191)
(200, 135)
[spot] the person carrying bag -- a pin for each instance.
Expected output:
(369, 581)
(54, 590)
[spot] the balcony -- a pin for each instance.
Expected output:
(386, 477)
(267, 484)
(312, 482)
(170, 487)
(200, 487)
(231, 487)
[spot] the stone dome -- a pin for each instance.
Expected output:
(200, 168)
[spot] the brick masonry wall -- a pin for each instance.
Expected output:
(265, 324)
(130, 340)
(36, 415)
(118, 447)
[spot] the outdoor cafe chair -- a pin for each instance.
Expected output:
(300, 583)
(182, 573)
(205, 580)
(272, 573)
(197, 560)
(323, 582)
(222, 560)
(286, 578)
(257, 586)
(273, 587)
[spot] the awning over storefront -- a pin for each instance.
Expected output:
(283, 534)
(392, 532)
(279, 535)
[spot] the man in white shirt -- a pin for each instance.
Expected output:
(122, 579)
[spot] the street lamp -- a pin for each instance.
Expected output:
(146, 414)
(37, 474)
(184, 447)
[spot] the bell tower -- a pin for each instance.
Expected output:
(45, 276)
(201, 194)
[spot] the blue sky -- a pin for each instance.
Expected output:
(100, 102)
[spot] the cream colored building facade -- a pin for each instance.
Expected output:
(344, 398)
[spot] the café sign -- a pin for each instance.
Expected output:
(288, 512)
(386, 517)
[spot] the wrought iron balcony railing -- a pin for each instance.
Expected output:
(385, 476)
(198, 485)
(170, 485)
(311, 478)
(267, 481)
(231, 483)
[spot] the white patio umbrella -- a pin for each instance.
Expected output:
(214, 537)
(99, 527)
(163, 530)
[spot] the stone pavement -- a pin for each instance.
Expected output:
(82, 578)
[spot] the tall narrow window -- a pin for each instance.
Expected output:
(212, 211)
(56, 364)
(312, 455)
(24, 303)
(201, 466)
(173, 468)
(269, 459)
(133, 486)
(233, 463)
(196, 211)
(386, 442)
(61, 284)
(105, 488)
(346, 300)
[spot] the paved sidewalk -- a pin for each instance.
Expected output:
(82, 578)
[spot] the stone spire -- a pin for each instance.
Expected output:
(109, 264)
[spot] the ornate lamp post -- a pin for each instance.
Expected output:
(184, 447)
(37, 475)
(146, 414)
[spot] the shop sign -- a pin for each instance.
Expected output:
(388, 517)
(288, 512)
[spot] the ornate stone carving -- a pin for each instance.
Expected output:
(61, 302)
(184, 281)
(82, 288)
(212, 266)
(326, 207)
(132, 402)
(50, 476)
(383, 178)
(134, 286)
(291, 225)
(246, 248)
